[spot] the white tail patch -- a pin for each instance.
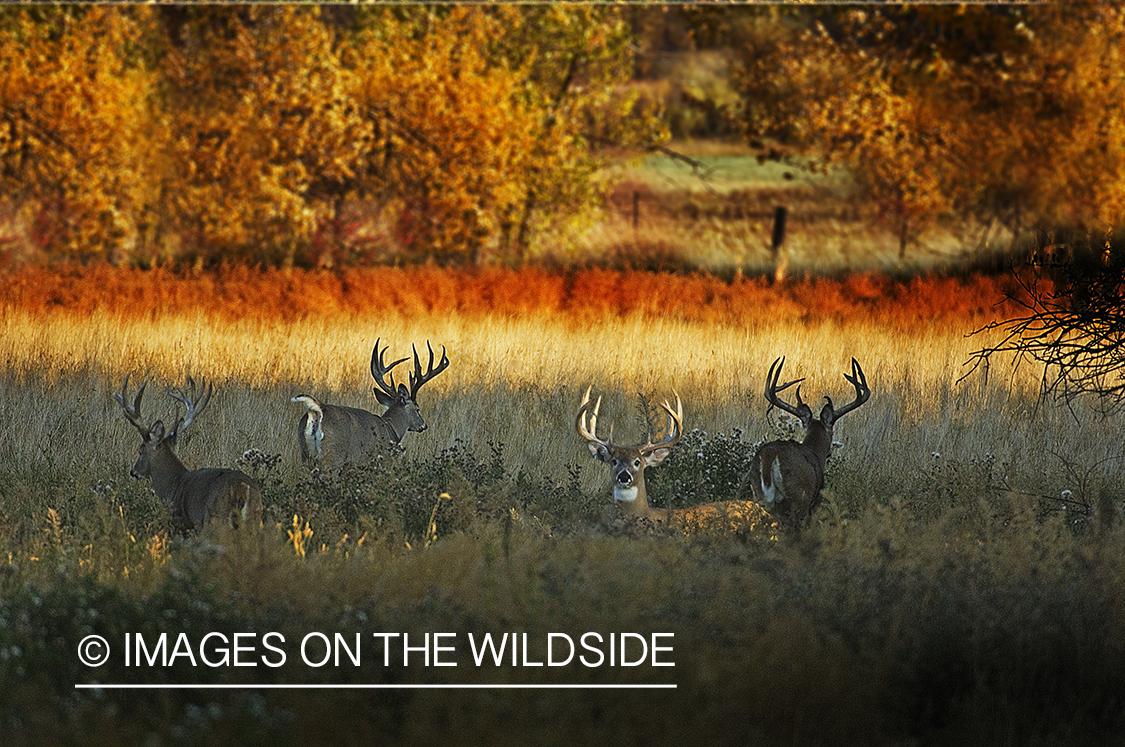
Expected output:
(313, 434)
(245, 505)
(354, 434)
(773, 492)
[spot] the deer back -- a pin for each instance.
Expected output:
(724, 516)
(787, 478)
(335, 434)
(227, 496)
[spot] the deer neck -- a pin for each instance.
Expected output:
(167, 473)
(818, 438)
(633, 500)
(399, 421)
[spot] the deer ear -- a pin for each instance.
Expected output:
(403, 392)
(383, 398)
(656, 456)
(156, 432)
(598, 451)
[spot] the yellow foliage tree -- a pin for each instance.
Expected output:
(1008, 115)
(453, 136)
(261, 135)
(487, 120)
(204, 134)
(74, 135)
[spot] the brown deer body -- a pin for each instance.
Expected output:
(195, 497)
(787, 477)
(334, 435)
(627, 467)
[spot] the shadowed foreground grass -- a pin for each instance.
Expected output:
(939, 598)
(877, 632)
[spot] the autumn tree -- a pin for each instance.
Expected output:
(74, 130)
(261, 135)
(1003, 115)
(201, 134)
(491, 123)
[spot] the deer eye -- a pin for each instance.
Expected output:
(636, 464)
(615, 462)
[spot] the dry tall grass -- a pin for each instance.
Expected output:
(942, 594)
(523, 346)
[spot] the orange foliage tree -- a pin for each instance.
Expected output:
(261, 137)
(1000, 114)
(202, 134)
(74, 134)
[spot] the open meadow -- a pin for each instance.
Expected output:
(962, 582)
(715, 212)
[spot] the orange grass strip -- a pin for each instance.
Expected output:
(580, 295)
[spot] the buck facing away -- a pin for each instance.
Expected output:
(627, 467)
(333, 435)
(196, 497)
(788, 476)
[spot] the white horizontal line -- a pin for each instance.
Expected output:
(526, 686)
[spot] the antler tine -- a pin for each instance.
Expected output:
(772, 388)
(675, 426)
(381, 372)
(417, 378)
(195, 401)
(132, 414)
(590, 433)
(862, 391)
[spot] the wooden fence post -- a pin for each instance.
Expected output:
(779, 215)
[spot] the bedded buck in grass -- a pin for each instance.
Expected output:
(627, 468)
(334, 435)
(196, 497)
(787, 476)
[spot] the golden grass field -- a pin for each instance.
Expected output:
(944, 593)
(523, 346)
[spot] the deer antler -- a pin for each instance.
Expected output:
(772, 389)
(417, 378)
(675, 427)
(382, 372)
(590, 433)
(194, 401)
(862, 391)
(132, 414)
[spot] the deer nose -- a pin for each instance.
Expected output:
(624, 478)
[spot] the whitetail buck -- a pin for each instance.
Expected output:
(199, 496)
(627, 468)
(787, 476)
(333, 435)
